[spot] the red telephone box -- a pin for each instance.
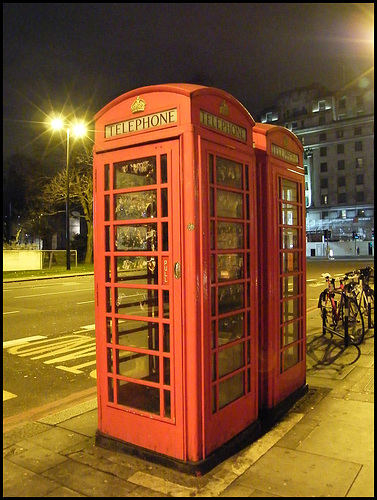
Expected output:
(282, 262)
(176, 273)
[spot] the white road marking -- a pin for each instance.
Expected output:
(11, 312)
(11, 343)
(8, 395)
(85, 302)
(52, 293)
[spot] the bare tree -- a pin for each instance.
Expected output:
(80, 190)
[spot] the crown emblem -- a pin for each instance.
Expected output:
(138, 105)
(224, 109)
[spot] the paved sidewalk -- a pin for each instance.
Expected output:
(324, 445)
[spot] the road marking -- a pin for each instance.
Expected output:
(11, 343)
(53, 293)
(11, 312)
(75, 369)
(8, 395)
(85, 302)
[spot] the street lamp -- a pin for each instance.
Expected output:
(78, 130)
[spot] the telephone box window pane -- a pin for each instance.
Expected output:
(164, 202)
(108, 299)
(107, 177)
(291, 333)
(229, 235)
(288, 214)
(140, 334)
(230, 298)
(137, 237)
(138, 270)
(135, 173)
(137, 302)
(107, 269)
(212, 235)
(165, 297)
(231, 389)
(107, 239)
(289, 238)
(211, 202)
(213, 367)
(138, 365)
(110, 389)
(107, 207)
(230, 267)
(210, 169)
(291, 356)
(167, 404)
(288, 190)
(109, 330)
(229, 204)
(165, 237)
(289, 262)
(110, 361)
(230, 329)
(166, 371)
(140, 397)
(166, 340)
(164, 169)
(213, 334)
(140, 205)
(290, 286)
(229, 173)
(231, 359)
(290, 309)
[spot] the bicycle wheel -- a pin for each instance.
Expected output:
(356, 330)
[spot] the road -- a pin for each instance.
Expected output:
(49, 337)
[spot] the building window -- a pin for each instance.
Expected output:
(339, 134)
(323, 151)
(324, 183)
(324, 199)
(323, 167)
(321, 105)
(342, 103)
(359, 195)
(342, 198)
(359, 163)
(359, 101)
(322, 137)
(358, 130)
(341, 181)
(344, 214)
(340, 149)
(358, 145)
(294, 125)
(359, 179)
(322, 120)
(341, 164)
(269, 117)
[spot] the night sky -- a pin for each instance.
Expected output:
(79, 56)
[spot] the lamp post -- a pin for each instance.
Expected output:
(79, 130)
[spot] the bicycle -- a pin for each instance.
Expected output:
(340, 312)
(364, 294)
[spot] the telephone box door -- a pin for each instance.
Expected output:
(138, 296)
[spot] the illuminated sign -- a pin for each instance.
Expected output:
(223, 126)
(284, 154)
(142, 123)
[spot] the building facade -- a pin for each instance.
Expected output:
(337, 132)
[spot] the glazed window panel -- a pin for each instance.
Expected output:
(135, 173)
(230, 267)
(137, 270)
(231, 389)
(139, 334)
(291, 356)
(230, 329)
(289, 190)
(140, 397)
(289, 262)
(289, 238)
(137, 365)
(136, 302)
(290, 286)
(230, 298)
(290, 309)
(231, 359)
(137, 237)
(229, 173)
(290, 333)
(229, 204)
(230, 235)
(289, 214)
(139, 205)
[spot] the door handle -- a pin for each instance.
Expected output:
(177, 270)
